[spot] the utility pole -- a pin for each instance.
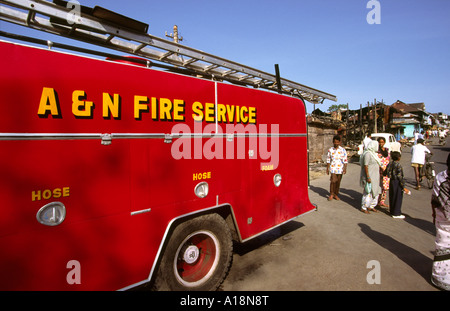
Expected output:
(174, 35)
(368, 116)
(375, 130)
(360, 121)
(346, 126)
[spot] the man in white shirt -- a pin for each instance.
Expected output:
(418, 135)
(418, 152)
(367, 140)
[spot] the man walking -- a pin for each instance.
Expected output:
(418, 159)
(336, 166)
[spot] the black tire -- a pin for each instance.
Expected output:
(197, 257)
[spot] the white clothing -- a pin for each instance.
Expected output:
(416, 137)
(395, 146)
(440, 178)
(366, 141)
(418, 154)
(440, 275)
(369, 201)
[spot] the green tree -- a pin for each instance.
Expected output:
(337, 107)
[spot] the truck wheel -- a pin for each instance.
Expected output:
(198, 255)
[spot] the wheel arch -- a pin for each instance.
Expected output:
(223, 210)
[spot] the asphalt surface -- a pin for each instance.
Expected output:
(339, 248)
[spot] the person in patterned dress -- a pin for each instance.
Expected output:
(440, 203)
(384, 155)
(336, 166)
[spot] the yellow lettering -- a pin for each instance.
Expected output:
(221, 113)
(111, 106)
(230, 113)
(46, 194)
(57, 193)
(178, 110)
(165, 109)
(209, 112)
(238, 115)
(49, 103)
(267, 167)
(36, 195)
(154, 108)
(200, 176)
(81, 108)
(244, 118)
(252, 115)
(140, 105)
(197, 108)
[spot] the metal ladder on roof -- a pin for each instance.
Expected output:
(104, 28)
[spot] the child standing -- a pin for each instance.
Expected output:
(396, 186)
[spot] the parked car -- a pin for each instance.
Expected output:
(391, 143)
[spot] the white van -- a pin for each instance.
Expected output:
(391, 143)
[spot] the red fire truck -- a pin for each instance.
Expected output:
(115, 175)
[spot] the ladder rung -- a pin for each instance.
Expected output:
(165, 55)
(189, 61)
(210, 67)
(140, 47)
(245, 77)
(229, 72)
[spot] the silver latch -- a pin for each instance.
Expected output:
(106, 139)
(168, 138)
(230, 137)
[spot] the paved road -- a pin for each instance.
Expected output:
(330, 249)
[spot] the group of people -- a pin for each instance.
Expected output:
(382, 176)
(433, 133)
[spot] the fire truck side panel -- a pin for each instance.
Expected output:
(265, 204)
(122, 195)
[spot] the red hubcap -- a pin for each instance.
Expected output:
(196, 258)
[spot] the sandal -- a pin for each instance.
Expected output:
(373, 210)
(365, 211)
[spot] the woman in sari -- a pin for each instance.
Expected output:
(370, 177)
(440, 203)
